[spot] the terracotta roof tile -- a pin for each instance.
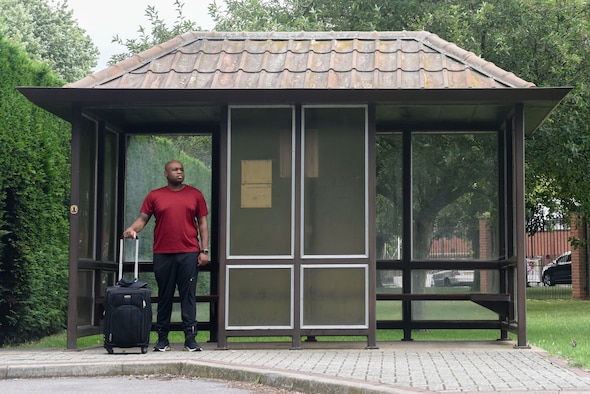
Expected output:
(308, 60)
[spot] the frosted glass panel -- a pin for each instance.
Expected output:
(334, 296)
(259, 297)
(261, 196)
(334, 181)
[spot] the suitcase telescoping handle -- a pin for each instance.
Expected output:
(136, 259)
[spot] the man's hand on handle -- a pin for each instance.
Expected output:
(130, 233)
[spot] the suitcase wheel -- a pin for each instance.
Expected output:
(144, 349)
(109, 349)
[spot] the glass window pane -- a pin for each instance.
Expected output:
(261, 197)
(389, 197)
(146, 157)
(87, 202)
(453, 281)
(450, 310)
(203, 312)
(204, 283)
(335, 296)
(455, 196)
(110, 197)
(389, 281)
(85, 297)
(389, 310)
(334, 173)
(107, 279)
(259, 297)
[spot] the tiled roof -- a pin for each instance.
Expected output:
(306, 60)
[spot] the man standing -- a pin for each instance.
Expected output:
(181, 220)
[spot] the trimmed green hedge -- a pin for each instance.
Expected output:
(34, 200)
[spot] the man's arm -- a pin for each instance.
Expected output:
(136, 226)
(204, 240)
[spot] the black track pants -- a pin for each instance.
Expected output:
(171, 270)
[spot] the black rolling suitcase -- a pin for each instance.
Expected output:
(128, 310)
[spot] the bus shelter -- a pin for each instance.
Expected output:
(357, 181)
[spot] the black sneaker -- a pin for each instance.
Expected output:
(192, 346)
(162, 346)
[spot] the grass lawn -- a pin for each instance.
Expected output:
(555, 325)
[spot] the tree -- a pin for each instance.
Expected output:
(542, 41)
(159, 33)
(545, 42)
(314, 15)
(49, 33)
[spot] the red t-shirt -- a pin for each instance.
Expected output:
(176, 214)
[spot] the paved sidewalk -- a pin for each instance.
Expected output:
(324, 367)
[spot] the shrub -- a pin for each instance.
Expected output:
(34, 195)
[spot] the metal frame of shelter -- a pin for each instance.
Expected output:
(508, 112)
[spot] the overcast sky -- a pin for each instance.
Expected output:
(103, 19)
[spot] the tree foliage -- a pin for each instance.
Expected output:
(542, 41)
(547, 43)
(34, 193)
(48, 32)
(159, 33)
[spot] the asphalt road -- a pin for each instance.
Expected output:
(133, 384)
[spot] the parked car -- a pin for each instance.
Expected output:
(452, 278)
(559, 271)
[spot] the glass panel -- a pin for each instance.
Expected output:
(334, 185)
(389, 281)
(455, 196)
(110, 197)
(87, 201)
(204, 283)
(389, 196)
(107, 279)
(150, 279)
(334, 296)
(203, 312)
(261, 197)
(454, 281)
(145, 161)
(259, 297)
(450, 310)
(389, 310)
(85, 297)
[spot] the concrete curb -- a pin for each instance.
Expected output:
(308, 383)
